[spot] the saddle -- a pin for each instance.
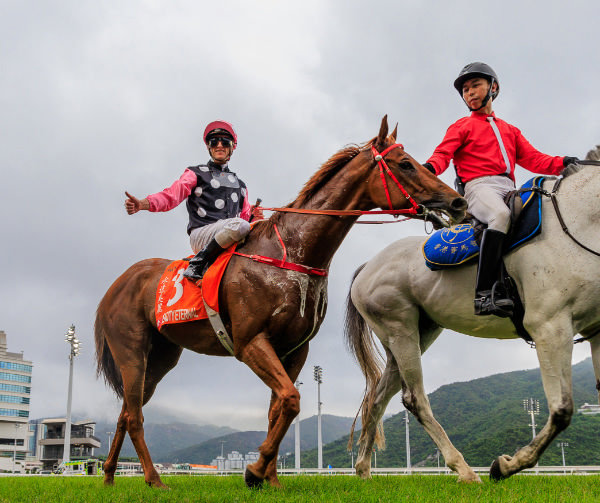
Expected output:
(179, 300)
(459, 244)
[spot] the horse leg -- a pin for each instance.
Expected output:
(408, 350)
(133, 385)
(388, 385)
(554, 349)
(260, 356)
(110, 465)
(293, 365)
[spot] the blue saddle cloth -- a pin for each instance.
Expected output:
(456, 245)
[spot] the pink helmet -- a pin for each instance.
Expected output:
(220, 127)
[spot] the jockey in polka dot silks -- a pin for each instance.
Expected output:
(217, 201)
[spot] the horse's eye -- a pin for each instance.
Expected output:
(406, 166)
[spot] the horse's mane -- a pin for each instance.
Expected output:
(325, 173)
(592, 155)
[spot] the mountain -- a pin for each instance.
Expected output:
(162, 438)
(332, 427)
(485, 418)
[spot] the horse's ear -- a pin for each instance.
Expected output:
(383, 131)
(394, 134)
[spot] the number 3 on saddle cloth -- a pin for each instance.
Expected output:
(179, 300)
(456, 245)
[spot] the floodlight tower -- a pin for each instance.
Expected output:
(72, 340)
(297, 434)
(562, 446)
(318, 375)
(532, 407)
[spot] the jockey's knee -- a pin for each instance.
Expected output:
(500, 221)
(235, 230)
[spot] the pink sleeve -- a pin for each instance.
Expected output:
(172, 196)
(246, 209)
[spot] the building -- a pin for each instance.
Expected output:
(15, 391)
(589, 409)
(235, 461)
(51, 435)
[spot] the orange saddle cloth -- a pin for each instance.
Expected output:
(179, 300)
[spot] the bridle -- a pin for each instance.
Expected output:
(552, 195)
(415, 209)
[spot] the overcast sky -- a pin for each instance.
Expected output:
(102, 97)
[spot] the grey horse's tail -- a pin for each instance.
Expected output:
(361, 344)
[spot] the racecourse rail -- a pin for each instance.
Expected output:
(539, 470)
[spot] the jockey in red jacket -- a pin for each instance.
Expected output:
(485, 150)
(216, 200)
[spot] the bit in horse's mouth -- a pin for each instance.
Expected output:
(437, 216)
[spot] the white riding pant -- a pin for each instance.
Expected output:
(225, 232)
(485, 196)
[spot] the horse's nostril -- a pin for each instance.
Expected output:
(460, 203)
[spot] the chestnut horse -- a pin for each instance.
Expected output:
(271, 313)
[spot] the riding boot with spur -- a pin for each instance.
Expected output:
(202, 260)
(491, 296)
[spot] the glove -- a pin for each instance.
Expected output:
(569, 160)
(429, 167)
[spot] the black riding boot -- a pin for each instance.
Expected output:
(490, 294)
(203, 259)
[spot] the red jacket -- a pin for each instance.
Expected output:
(471, 143)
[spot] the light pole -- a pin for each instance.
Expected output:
(532, 407)
(318, 375)
(297, 434)
(562, 446)
(72, 340)
(407, 441)
(17, 426)
(110, 434)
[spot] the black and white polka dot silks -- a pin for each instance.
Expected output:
(219, 194)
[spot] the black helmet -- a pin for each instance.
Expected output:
(478, 69)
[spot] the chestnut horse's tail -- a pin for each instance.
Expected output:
(105, 363)
(361, 344)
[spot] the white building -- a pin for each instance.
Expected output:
(235, 461)
(589, 409)
(15, 390)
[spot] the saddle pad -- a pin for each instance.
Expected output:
(456, 245)
(179, 300)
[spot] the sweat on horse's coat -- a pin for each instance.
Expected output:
(407, 306)
(269, 312)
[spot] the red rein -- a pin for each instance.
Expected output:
(383, 169)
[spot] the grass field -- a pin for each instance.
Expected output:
(303, 488)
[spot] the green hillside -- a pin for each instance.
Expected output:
(485, 418)
(333, 427)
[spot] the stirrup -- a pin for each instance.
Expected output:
(491, 302)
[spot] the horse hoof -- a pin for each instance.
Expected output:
(252, 481)
(495, 472)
